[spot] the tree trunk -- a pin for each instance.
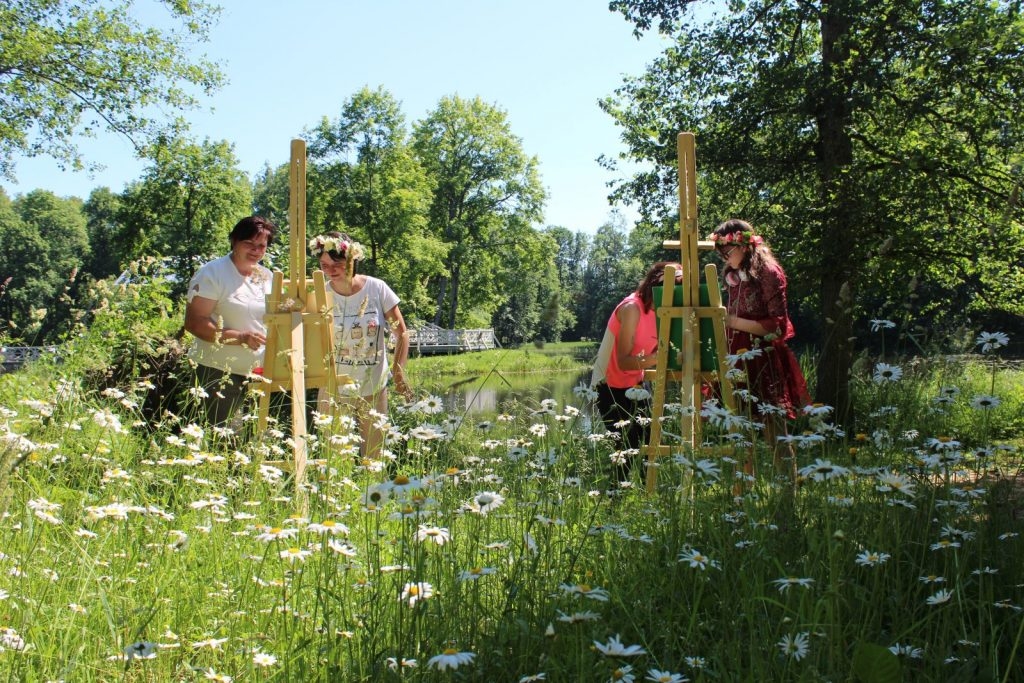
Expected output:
(454, 305)
(837, 228)
(442, 290)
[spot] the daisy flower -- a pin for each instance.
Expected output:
(985, 402)
(696, 559)
(786, 582)
(263, 659)
(887, 373)
(659, 676)
(622, 674)
(414, 592)
(877, 325)
(940, 597)
(796, 646)
(435, 534)
(615, 648)
(450, 659)
(586, 591)
(295, 554)
(485, 502)
(870, 558)
(990, 341)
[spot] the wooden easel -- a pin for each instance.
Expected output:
(300, 329)
(687, 354)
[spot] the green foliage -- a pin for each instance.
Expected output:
(487, 195)
(72, 67)
(185, 205)
(43, 246)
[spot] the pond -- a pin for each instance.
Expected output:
(486, 396)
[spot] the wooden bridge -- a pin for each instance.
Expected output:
(427, 338)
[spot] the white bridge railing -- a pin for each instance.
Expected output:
(429, 338)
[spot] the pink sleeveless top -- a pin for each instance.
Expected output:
(646, 339)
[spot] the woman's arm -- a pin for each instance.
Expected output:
(199, 322)
(401, 332)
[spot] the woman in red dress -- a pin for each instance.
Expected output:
(757, 327)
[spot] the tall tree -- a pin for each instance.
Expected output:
(612, 272)
(571, 253)
(487, 192)
(102, 210)
(186, 204)
(876, 143)
(71, 68)
(43, 246)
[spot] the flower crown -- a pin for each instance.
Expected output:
(336, 247)
(738, 238)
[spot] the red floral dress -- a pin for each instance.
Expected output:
(773, 376)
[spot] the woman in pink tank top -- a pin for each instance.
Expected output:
(628, 348)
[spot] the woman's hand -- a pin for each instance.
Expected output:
(401, 384)
(252, 339)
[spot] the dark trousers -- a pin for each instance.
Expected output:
(616, 408)
(225, 394)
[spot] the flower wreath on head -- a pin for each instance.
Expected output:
(738, 238)
(336, 247)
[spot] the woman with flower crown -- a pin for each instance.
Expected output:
(366, 314)
(226, 303)
(757, 328)
(628, 348)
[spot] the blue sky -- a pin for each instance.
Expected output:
(545, 62)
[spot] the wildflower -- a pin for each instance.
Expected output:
(431, 405)
(822, 470)
(476, 573)
(945, 544)
(891, 481)
(940, 597)
(212, 675)
(394, 663)
(328, 526)
(696, 559)
(295, 554)
(637, 393)
(887, 373)
(622, 674)
(615, 648)
(877, 325)
(578, 617)
(869, 558)
(990, 341)
(414, 592)
(212, 643)
(263, 659)
(817, 410)
(695, 662)
(985, 570)
(485, 502)
(785, 582)
(535, 677)
(985, 402)
(908, 651)
(538, 430)
(450, 659)
(931, 578)
(796, 646)
(276, 533)
(142, 649)
(438, 535)
(665, 677)
(586, 591)
(341, 548)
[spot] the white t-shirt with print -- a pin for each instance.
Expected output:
(361, 332)
(241, 305)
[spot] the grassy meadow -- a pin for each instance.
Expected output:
(140, 547)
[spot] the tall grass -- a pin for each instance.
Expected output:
(141, 550)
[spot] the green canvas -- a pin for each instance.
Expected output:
(708, 352)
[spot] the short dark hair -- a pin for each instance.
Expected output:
(250, 227)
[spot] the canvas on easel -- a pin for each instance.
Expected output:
(691, 325)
